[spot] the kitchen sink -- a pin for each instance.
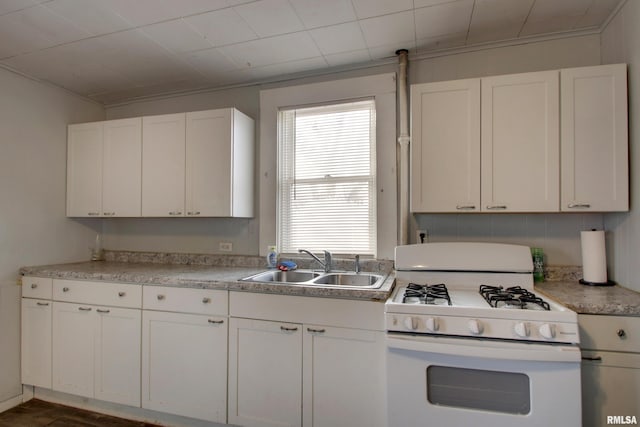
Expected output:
(315, 278)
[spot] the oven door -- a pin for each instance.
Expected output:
(441, 381)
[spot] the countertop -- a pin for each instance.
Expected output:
(198, 276)
(606, 300)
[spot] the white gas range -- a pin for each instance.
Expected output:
(469, 341)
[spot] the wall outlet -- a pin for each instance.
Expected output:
(422, 236)
(225, 246)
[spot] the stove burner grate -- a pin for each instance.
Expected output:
(426, 294)
(513, 297)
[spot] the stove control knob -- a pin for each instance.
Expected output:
(432, 324)
(411, 323)
(548, 331)
(521, 329)
(475, 326)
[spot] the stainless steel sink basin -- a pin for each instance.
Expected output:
(315, 278)
(295, 276)
(360, 280)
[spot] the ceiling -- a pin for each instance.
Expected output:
(115, 50)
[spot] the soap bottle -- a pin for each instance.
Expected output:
(272, 257)
(538, 264)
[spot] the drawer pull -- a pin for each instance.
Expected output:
(34, 285)
(93, 213)
(284, 328)
(193, 213)
(579, 206)
(592, 358)
(65, 289)
(216, 322)
(465, 207)
(160, 297)
(103, 311)
(43, 303)
(497, 207)
(206, 300)
(316, 331)
(175, 213)
(109, 213)
(84, 308)
(121, 294)
(621, 333)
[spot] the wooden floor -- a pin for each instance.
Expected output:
(37, 413)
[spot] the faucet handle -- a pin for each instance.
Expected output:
(357, 264)
(327, 261)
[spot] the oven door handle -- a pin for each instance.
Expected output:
(488, 349)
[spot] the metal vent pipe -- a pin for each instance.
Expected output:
(403, 148)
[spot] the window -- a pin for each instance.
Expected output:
(326, 178)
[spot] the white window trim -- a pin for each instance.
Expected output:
(382, 88)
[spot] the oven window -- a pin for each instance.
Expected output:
(496, 391)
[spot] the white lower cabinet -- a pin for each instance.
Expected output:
(184, 364)
(36, 342)
(96, 352)
(265, 373)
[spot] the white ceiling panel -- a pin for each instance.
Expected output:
(270, 17)
(273, 50)
(447, 41)
(176, 36)
(210, 62)
(424, 3)
(550, 16)
(90, 15)
(389, 51)
(320, 13)
(445, 18)
(144, 12)
(339, 38)
(287, 68)
(498, 19)
(222, 27)
(396, 29)
(597, 13)
(371, 8)
(7, 6)
(348, 58)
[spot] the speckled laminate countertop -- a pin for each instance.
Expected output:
(198, 276)
(608, 300)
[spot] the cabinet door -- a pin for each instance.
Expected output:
(84, 170)
(610, 386)
(117, 362)
(445, 146)
(73, 348)
(344, 377)
(265, 373)
(36, 342)
(209, 162)
(184, 365)
(163, 165)
(594, 138)
(520, 143)
(122, 174)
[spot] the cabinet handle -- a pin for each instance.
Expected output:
(497, 207)
(206, 300)
(592, 358)
(579, 205)
(65, 289)
(284, 328)
(175, 213)
(43, 303)
(160, 297)
(316, 331)
(121, 294)
(93, 213)
(193, 213)
(109, 213)
(34, 285)
(465, 207)
(621, 333)
(103, 311)
(84, 308)
(216, 322)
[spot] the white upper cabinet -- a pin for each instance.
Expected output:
(219, 168)
(594, 138)
(520, 143)
(122, 168)
(445, 149)
(84, 169)
(163, 165)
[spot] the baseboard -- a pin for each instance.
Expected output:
(10, 403)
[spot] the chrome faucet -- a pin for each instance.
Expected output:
(326, 264)
(357, 264)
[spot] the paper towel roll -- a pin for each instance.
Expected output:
(594, 257)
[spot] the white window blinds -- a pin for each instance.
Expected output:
(326, 178)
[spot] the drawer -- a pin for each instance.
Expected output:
(37, 287)
(186, 300)
(612, 333)
(98, 293)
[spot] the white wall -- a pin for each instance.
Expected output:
(33, 226)
(621, 43)
(557, 234)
